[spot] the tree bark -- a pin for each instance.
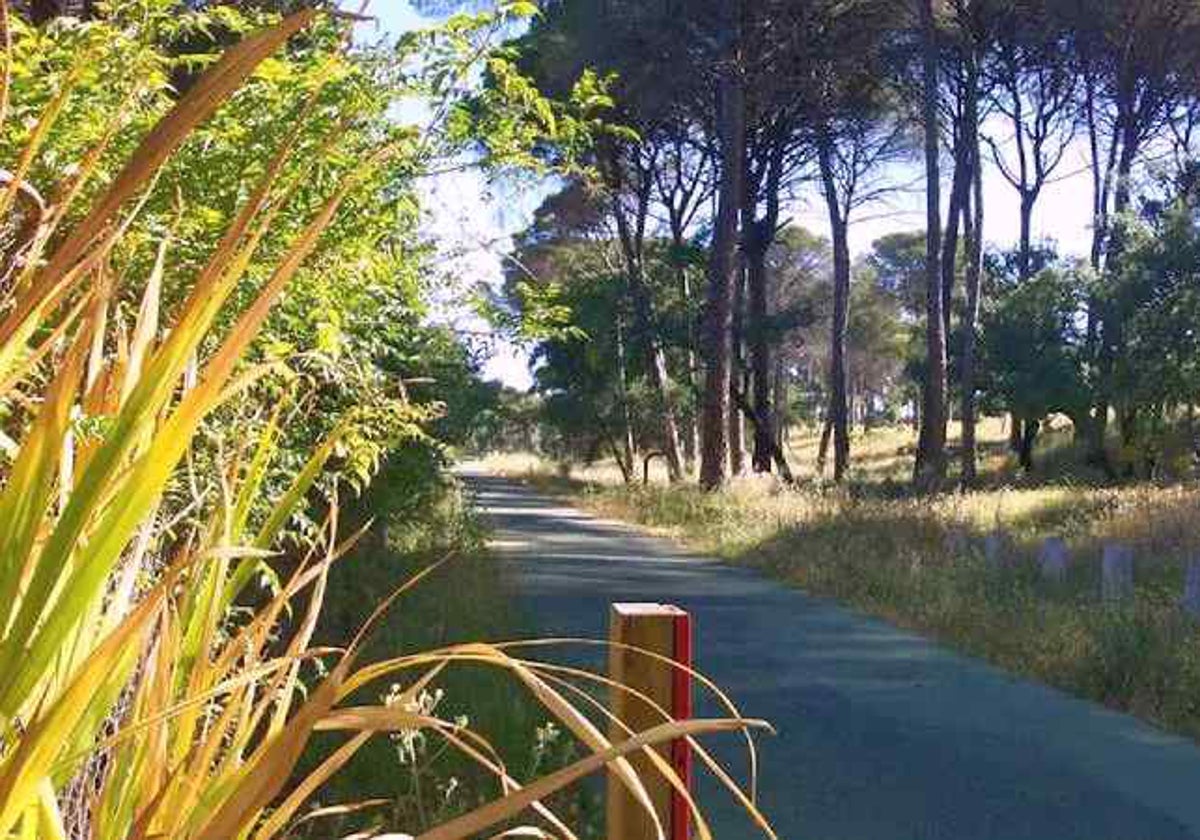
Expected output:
(738, 377)
(631, 238)
(974, 220)
(759, 346)
(839, 375)
(972, 216)
(777, 456)
(1025, 254)
(1111, 323)
(659, 376)
(691, 432)
(779, 394)
(623, 395)
(722, 267)
(1014, 432)
(960, 191)
(823, 446)
(1028, 438)
(758, 234)
(930, 467)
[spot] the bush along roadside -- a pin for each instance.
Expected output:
(418, 516)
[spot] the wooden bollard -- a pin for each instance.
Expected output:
(1116, 585)
(666, 631)
(1053, 560)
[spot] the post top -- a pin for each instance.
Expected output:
(646, 608)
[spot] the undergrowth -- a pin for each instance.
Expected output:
(418, 517)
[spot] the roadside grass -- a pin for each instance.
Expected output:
(420, 517)
(921, 563)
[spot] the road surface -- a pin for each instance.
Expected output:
(882, 735)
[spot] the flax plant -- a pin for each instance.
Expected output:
(123, 660)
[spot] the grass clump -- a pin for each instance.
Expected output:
(418, 516)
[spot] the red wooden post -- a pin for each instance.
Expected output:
(667, 631)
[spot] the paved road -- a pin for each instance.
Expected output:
(882, 734)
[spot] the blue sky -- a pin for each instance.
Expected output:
(473, 218)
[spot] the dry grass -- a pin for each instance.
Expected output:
(921, 563)
(881, 456)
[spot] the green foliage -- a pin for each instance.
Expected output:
(180, 372)
(1159, 300)
(521, 130)
(1034, 347)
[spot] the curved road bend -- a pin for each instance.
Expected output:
(883, 735)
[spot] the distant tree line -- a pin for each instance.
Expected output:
(707, 321)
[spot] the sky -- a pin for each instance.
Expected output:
(473, 219)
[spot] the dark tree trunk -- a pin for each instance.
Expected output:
(1025, 254)
(759, 345)
(779, 393)
(737, 380)
(670, 429)
(969, 327)
(930, 468)
(623, 396)
(631, 235)
(1096, 452)
(1111, 322)
(1014, 433)
(691, 440)
(722, 269)
(758, 234)
(823, 446)
(777, 456)
(960, 191)
(973, 224)
(839, 375)
(625, 467)
(1028, 438)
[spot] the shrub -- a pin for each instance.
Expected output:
(147, 685)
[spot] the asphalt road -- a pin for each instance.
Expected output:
(882, 735)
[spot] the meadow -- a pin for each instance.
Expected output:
(921, 562)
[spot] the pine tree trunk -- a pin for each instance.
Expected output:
(737, 378)
(1030, 426)
(974, 224)
(623, 396)
(1025, 254)
(691, 441)
(823, 446)
(722, 268)
(960, 191)
(779, 393)
(839, 375)
(759, 345)
(930, 468)
(631, 236)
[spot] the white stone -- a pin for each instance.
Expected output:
(1053, 560)
(995, 549)
(1117, 581)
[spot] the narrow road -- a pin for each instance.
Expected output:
(883, 735)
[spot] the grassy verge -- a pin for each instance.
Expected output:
(921, 564)
(419, 518)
